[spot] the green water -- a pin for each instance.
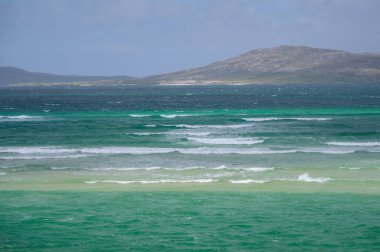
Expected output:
(170, 221)
(196, 168)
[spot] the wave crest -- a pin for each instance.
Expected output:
(306, 178)
(359, 144)
(227, 141)
(264, 119)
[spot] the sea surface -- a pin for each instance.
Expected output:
(194, 168)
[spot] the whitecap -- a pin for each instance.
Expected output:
(42, 157)
(45, 152)
(151, 181)
(231, 126)
(306, 178)
(227, 141)
(20, 118)
(174, 116)
(243, 151)
(127, 150)
(248, 181)
(221, 167)
(2, 174)
(37, 150)
(78, 152)
(145, 133)
(60, 168)
(250, 169)
(124, 168)
(263, 119)
(350, 168)
(359, 144)
(327, 150)
(190, 133)
(258, 169)
(138, 115)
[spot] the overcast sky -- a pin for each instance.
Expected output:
(143, 37)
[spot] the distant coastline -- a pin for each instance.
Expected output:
(278, 65)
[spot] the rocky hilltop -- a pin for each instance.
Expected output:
(286, 64)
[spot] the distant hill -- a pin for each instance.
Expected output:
(285, 64)
(12, 75)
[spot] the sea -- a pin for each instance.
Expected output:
(190, 168)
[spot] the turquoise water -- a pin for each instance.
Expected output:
(172, 221)
(269, 167)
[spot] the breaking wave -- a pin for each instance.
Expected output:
(138, 115)
(306, 178)
(227, 141)
(151, 181)
(174, 116)
(154, 168)
(263, 119)
(247, 181)
(188, 126)
(20, 118)
(46, 152)
(360, 144)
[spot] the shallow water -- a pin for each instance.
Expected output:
(192, 221)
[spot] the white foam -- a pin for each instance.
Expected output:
(221, 167)
(243, 151)
(64, 152)
(125, 169)
(42, 157)
(228, 141)
(150, 125)
(60, 168)
(2, 174)
(311, 118)
(36, 150)
(251, 169)
(327, 150)
(231, 126)
(127, 150)
(350, 168)
(174, 116)
(359, 144)
(258, 169)
(306, 178)
(20, 118)
(146, 133)
(151, 181)
(134, 150)
(247, 181)
(190, 133)
(263, 119)
(137, 115)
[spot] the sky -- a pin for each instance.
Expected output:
(146, 37)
